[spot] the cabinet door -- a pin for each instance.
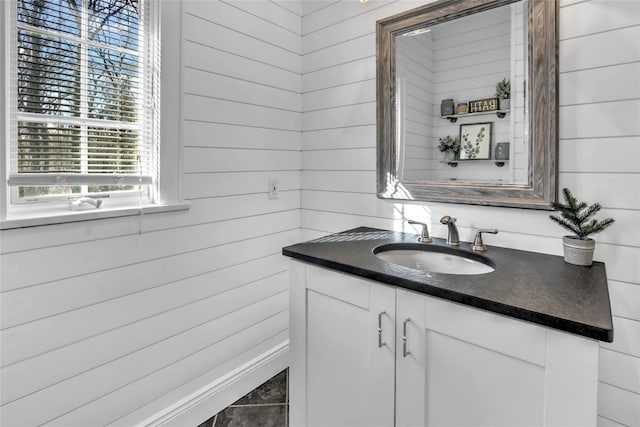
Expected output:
(348, 364)
(482, 369)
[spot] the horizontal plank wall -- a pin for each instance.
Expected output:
(414, 83)
(599, 156)
(470, 57)
(109, 322)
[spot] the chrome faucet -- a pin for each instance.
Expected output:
(424, 236)
(453, 239)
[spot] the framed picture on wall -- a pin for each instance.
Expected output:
(475, 141)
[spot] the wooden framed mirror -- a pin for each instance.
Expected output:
(460, 50)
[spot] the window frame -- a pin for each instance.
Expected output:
(168, 175)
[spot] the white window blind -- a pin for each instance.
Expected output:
(85, 99)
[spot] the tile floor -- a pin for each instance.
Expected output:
(266, 406)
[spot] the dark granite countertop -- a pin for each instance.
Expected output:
(535, 287)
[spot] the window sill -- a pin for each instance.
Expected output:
(67, 216)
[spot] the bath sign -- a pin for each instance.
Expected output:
(482, 105)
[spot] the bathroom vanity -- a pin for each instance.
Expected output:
(374, 343)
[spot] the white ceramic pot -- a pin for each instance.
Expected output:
(449, 156)
(504, 104)
(578, 251)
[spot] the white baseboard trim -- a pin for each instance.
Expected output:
(189, 411)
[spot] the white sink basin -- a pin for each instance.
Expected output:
(436, 259)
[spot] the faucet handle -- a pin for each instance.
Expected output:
(424, 236)
(478, 245)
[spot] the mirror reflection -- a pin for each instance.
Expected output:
(460, 107)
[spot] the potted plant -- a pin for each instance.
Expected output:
(577, 217)
(450, 146)
(503, 92)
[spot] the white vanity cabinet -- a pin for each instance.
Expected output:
(369, 354)
(341, 370)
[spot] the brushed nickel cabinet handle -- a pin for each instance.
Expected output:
(405, 352)
(380, 342)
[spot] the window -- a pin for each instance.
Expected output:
(84, 100)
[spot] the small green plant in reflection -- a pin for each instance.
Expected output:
(449, 144)
(472, 148)
(503, 89)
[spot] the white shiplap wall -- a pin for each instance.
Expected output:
(414, 83)
(122, 324)
(110, 321)
(599, 155)
(470, 57)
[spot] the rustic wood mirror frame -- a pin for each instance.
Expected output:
(542, 97)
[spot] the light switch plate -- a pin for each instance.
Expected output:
(273, 188)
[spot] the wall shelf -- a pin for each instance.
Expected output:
(454, 163)
(454, 117)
